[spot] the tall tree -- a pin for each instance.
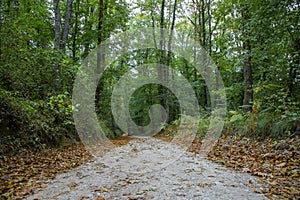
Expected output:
(76, 30)
(247, 68)
(61, 37)
(168, 62)
(66, 25)
(56, 24)
(202, 24)
(100, 55)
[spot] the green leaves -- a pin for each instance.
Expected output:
(61, 103)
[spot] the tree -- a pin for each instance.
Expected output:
(57, 24)
(66, 25)
(61, 38)
(100, 55)
(247, 68)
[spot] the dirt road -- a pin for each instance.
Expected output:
(147, 168)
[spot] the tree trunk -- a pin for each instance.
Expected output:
(75, 29)
(100, 56)
(100, 22)
(161, 89)
(161, 41)
(169, 60)
(248, 81)
(200, 28)
(209, 28)
(171, 33)
(203, 23)
(56, 41)
(153, 26)
(16, 3)
(56, 24)
(66, 25)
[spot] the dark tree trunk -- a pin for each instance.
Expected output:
(167, 99)
(100, 22)
(162, 26)
(100, 55)
(75, 29)
(56, 24)
(16, 3)
(247, 71)
(161, 90)
(171, 33)
(161, 41)
(56, 41)
(200, 25)
(203, 24)
(209, 28)
(66, 25)
(248, 81)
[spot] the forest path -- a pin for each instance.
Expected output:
(148, 168)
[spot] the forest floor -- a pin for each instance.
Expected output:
(274, 164)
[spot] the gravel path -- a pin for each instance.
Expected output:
(148, 168)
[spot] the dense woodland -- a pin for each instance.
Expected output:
(255, 45)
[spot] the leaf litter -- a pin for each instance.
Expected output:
(188, 177)
(22, 174)
(275, 165)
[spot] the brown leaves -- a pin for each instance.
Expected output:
(20, 175)
(23, 173)
(275, 163)
(205, 184)
(100, 198)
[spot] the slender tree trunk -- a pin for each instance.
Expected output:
(100, 22)
(203, 23)
(161, 90)
(169, 61)
(100, 55)
(56, 41)
(66, 25)
(171, 33)
(56, 24)
(162, 26)
(248, 80)
(16, 3)
(200, 27)
(153, 26)
(209, 27)
(75, 29)
(86, 45)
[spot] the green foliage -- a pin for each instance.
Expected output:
(34, 124)
(203, 125)
(36, 79)
(266, 123)
(61, 104)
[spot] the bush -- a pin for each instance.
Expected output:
(263, 124)
(34, 124)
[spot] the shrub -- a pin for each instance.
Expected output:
(34, 124)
